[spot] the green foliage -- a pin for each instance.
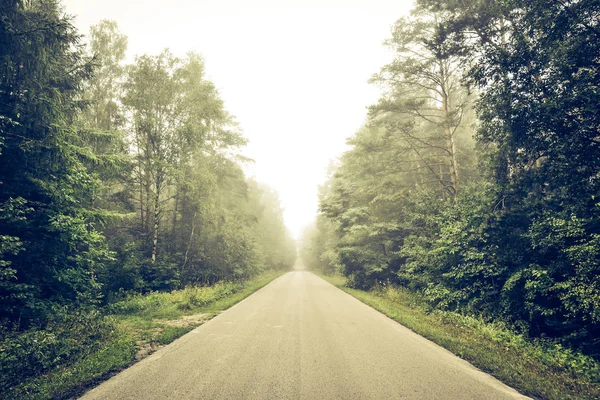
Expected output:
(535, 67)
(46, 191)
(78, 349)
(495, 215)
(185, 167)
(116, 354)
(107, 47)
(115, 181)
(189, 298)
(70, 341)
(171, 333)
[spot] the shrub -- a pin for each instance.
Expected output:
(66, 340)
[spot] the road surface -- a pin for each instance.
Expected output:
(302, 338)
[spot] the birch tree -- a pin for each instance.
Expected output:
(424, 102)
(150, 97)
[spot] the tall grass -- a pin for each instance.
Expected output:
(175, 303)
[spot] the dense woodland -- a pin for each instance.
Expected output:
(475, 182)
(116, 178)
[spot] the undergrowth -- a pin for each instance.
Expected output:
(77, 350)
(175, 303)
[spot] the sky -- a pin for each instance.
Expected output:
(293, 72)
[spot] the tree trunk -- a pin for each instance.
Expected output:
(156, 225)
(187, 251)
(141, 195)
(451, 144)
(148, 203)
(444, 194)
(175, 211)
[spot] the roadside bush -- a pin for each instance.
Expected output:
(66, 340)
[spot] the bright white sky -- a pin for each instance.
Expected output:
(293, 72)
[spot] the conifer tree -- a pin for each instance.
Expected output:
(50, 246)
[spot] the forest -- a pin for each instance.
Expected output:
(473, 185)
(475, 182)
(115, 179)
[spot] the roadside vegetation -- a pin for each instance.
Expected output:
(124, 207)
(539, 368)
(474, 188)
(75, 352)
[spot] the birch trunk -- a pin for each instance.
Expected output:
(156, 226)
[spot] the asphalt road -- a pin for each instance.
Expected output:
(301, 338)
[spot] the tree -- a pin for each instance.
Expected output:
(406, 158)
(150, 96)
(425, 102)
(100, 125)
(50, 247)
(275, 243)
(536, 67)
(107, 47)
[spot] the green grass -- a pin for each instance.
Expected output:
(149, 318)
(72, 379)
(539, 369)
(171, 333)
(136, 326)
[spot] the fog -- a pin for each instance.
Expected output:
(293, 73)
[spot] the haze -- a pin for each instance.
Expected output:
(294, 74)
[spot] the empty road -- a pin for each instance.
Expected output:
(301, 338)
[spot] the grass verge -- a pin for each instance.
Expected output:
(539, 369)
(61, 364)
(156, 319)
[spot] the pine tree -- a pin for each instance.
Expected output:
(50, 247)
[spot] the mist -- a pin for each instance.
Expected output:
(293, 74)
